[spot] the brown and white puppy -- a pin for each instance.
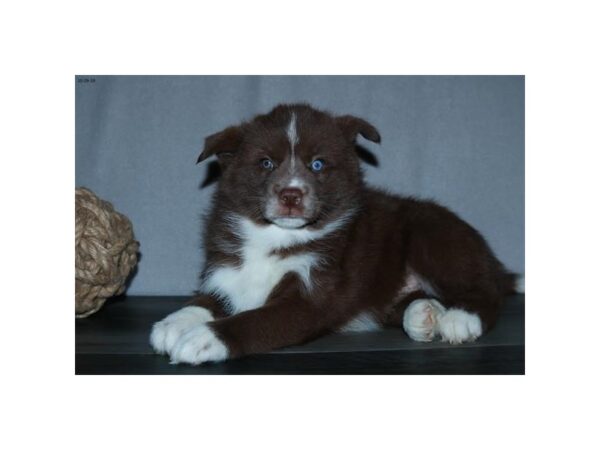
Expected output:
(297, 246)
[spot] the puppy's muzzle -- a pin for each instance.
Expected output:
(290, 197)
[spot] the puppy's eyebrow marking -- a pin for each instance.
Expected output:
(292, 135)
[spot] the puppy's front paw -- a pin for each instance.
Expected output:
(198, 345)
(457, 326)
(168, 331)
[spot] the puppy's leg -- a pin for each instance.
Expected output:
(471, 311)
(279, 324)
(456, 318)
(289, 317)
(209, 303)
(426, 319)
(200, 310)
(467, 279)
(422, 318)
(458, 325)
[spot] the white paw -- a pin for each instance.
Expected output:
(458, 326)
(168, 331)
(421, 319)
(198, 345)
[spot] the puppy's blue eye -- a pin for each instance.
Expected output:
(266, 163)
(317, 165)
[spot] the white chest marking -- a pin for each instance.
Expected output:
(247, 286)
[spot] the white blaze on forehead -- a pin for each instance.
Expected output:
(292, 135)
(296, 183)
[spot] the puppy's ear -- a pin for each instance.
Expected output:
(352, 126)
(222, 144)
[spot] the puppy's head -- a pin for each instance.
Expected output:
(294, 167)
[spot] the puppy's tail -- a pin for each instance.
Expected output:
(512, 283)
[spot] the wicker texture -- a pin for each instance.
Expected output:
(106, 252)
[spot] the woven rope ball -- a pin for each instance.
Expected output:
(106, 252)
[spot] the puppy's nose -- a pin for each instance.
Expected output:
(290, 197)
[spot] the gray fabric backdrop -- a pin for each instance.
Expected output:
(456, 139)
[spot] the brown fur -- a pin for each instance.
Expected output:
(366, 261)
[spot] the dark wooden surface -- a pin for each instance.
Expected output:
(115, 341)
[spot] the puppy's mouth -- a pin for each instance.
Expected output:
(289, 222)
(290, 217)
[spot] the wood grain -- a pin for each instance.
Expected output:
(115, 341)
